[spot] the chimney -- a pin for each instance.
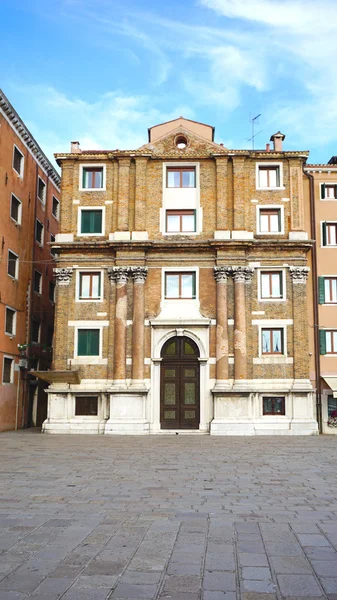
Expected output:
(277, 140)
(75, 147)
(267, 147)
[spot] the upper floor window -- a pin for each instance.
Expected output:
(10, 321)
(92, 178)
(52, 291)
(180, 177)
(270, 220)
(36, 332)
(327, 290)
(329, 191)
(89, 286)
(91, 221)
(268, 176)
(8, 370)
(180, 285)
(13, 264)
(39, 232)
(271, 285)
(88, 342)
(41, 190)
(18, 161)
(272, 341)
(328, 341)
(329, 234)
(55, 208)
(53, 251)
(180, 221)
(37, 282)
(16, 209)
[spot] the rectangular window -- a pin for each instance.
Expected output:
(10, 321)
(180, 285)
(331, 342)
(91, 221)
(272, 341)
(90, 286)
(18, 161)
(8, 370)
(332, 405)
(183, 177)
(39, 232)
(180, 221)
(55, 208)
(92, 178)
(86, 406)
(328, 191)
(37, 282)
(271, 285)
(41, 190)
(274, 405)
(52, 291)
(269, 177)
(13, 264)
(36, 327)
(329, 234)
(53, 251)
(88, 342)
(330, 290)
(16, 208)
(270, 220)
(50, 334)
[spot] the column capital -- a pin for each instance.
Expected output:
(299, 274)
(63, 275)
(242, 274)
(119, 274)
(138, 274)
(221, 274)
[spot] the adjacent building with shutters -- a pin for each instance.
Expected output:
(182, 294)
(30, 203)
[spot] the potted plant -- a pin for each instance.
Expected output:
(332, 419)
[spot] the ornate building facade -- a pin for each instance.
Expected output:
(181, 301)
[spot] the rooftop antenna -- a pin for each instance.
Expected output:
(254, 121)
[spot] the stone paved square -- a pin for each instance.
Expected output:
(177, 517)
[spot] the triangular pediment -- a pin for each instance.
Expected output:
(197, 145)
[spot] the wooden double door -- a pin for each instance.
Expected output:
(180, 385)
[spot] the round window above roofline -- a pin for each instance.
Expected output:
(181, 142)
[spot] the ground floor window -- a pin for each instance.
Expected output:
(274, 405)
(86, 406)
(332, 405)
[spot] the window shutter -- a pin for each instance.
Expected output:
(195, 219)
(323, 191)
(335, 191)
(193, 286)
(93, 342)
(279, 220)
(321, 290)
(322, 342)
(85, 221)
(324, 234)
(82, 340)
(281, 283)
(97, 224)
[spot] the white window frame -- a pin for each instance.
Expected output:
(42, 237)
(328, 354)
(57, 216)
(22, 162)
(325, 199)
(42, 200)
(41, 282)
(19, 221)
(269, 164)
(274, 324)
(89, 360)
(91, 166)
(180, 270)
(12, 369)
(16, 277)
(78, 275)
(284, 278)
(79, 212)
(325, 301)
(14, 321)
(197, 208)
(269, 207)
(327, 245)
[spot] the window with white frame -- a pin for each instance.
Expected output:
(10, 321)
(180, 177)
(89, 285)
(268, 176)
(55, 208)
(327, 290)
(8, 370)
(180, 285)
(39, 232)
(13, 264)
(329, 233)
(91, 221)
(328, 341)
(88, 342)
(271, 285)
(18, 161)
(92, 177)
(180, 221)
(272, 340)
(270, 219)
(328, 191)
(41, 190)
(16, 209)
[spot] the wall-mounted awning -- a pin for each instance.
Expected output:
(332, 383)
(58, 376)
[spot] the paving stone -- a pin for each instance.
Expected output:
(182, 583)
(252, 560)
(256, 573)
(183, 569)
(325, 567)
(129, 590)
(258, 596)
(89, 594)
(139, 577)
(329, 584)
(53, 587)
(313, 540)
(250, 585)
(219, 595)
(290, 565)
(93, 581)
(299, 585)
(219, 581)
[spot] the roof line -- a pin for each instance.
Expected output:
(177, 119)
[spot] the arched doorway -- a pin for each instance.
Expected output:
(179, 386)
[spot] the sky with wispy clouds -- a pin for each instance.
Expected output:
(103, 71)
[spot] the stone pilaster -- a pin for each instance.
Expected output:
(299, 277)
(221, 276)
(239, 189)
(123, 194)
(222, 209)
(140, 201)
(139, 275)
(121, 275)
(242, 276)
(61, 349)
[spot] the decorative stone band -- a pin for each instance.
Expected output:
(242, 274)
(221, 274)
(139, 274)
(63, 275)
(119, 274)
(299, 274)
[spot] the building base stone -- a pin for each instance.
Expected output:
(128, 412)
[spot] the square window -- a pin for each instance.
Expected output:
(55, 208)
(86, 406)
(88, 342)
(41, 190)
(271, 285)
(39, 232)
(90, 286)
(274, 405)
(180, 285)
(329, 234)
(10, 321)
(16, 208)
(8, 370)
(269, 176)
(92, 178)
(180, 221)
(37, 282)
(36, 330)
(270, 220)
(18, 161)
(272, 341)
(183, 177)
(13, 264)
(92, 222)
(52, 291)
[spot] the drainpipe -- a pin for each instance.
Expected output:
(315, 297)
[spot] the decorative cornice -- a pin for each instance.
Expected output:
(299, 274)
(242, 274)
(221, 274)
(27, 138)
(139, 274)
(63, 275)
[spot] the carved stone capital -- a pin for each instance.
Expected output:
(139, 274)
(299, 274)
(221, 274)
(242, 274)
(119, 274)
(63, 275)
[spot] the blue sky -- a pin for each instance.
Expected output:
(103, 71)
